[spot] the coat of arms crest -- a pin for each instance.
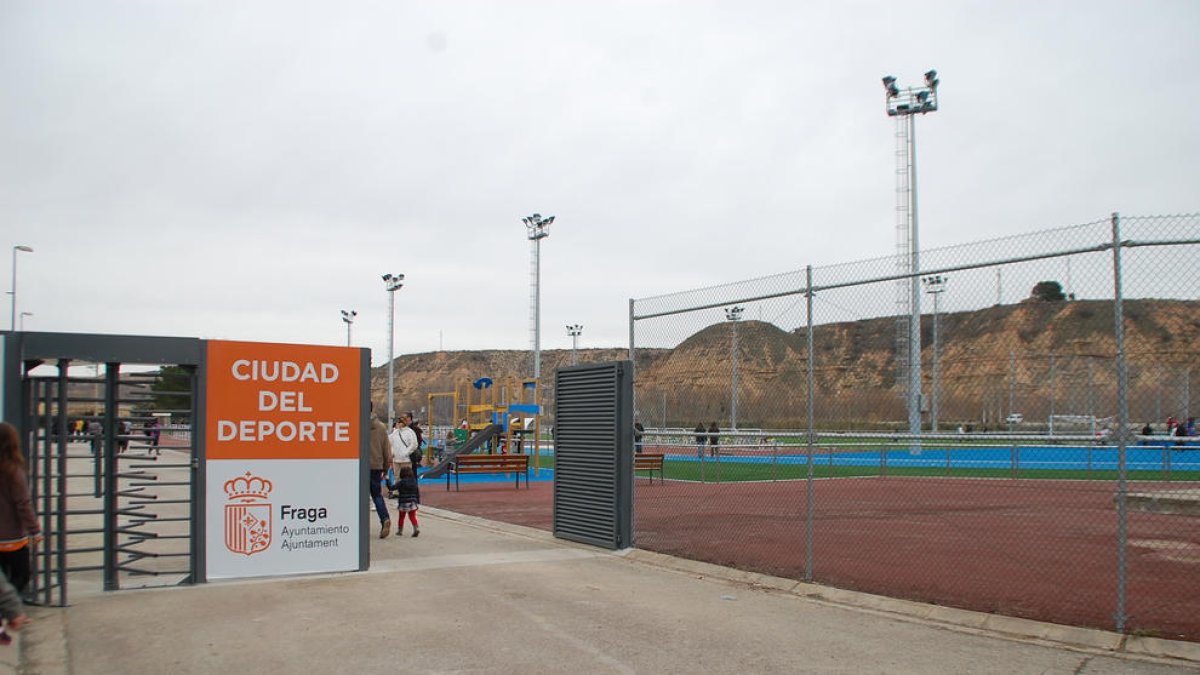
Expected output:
(248, 514)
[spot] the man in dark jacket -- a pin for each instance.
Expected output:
(379, 460)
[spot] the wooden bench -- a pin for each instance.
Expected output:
(650, 463)
(514, 464)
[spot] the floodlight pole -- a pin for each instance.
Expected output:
(393, 283)
(935, 285)
(348, 316)
(733, 315)
(574, 330)
(908, 103)
(536, 230)
(13, 292)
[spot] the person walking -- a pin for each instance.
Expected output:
(12, 610)
(415, 425)
(701, 439)
(404, 444)
(95, 432)
(638, 432)
(18, 525)
(408, 499)
(714, 433)
(123, 440)
(379, 458)
(155, 436)
(447, 445)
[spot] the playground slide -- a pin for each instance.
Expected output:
(472, 444)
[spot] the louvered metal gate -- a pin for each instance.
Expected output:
(593, 449)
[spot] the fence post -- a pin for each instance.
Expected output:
(1122, 420)
(808, 525)
(632, 355)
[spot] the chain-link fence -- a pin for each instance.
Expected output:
(1031, 459)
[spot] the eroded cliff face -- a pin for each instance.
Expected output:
(418, 375)
(1043, 356)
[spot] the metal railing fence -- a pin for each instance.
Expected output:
(1042, 482)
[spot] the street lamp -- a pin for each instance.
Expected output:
(23, 315)
(905, 104)
(734, 315)
(536, 227)
(574, 330)
(935, 286)
(393, 282)
(348, 316)
(13, 292)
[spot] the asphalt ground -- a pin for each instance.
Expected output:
(476, 596)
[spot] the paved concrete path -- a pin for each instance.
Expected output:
(477, 596)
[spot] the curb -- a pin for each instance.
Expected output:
(42, 647)
(1072, 637)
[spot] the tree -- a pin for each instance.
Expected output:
(1048, 291)
(173, 391)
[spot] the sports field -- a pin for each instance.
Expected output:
(1039, 544)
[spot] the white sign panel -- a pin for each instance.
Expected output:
(268, 517)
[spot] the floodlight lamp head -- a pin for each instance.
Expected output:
(394, 281)
(550, 220)
(889, 85)
(935, 283)
(931, 79)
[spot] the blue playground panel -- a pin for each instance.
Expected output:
(1157, 457)
(1061, 457)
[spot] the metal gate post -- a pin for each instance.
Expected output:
(199, 414)
(111, 470)
(60, 492)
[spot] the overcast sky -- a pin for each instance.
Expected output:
(246, 170)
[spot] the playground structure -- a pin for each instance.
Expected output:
(507, 409)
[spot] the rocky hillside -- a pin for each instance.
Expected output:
(418, 375)
(1040, 358)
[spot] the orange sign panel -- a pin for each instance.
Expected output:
(280, 401)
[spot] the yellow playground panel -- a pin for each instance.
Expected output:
(510, 403)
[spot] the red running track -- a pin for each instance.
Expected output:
(1044, 550)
